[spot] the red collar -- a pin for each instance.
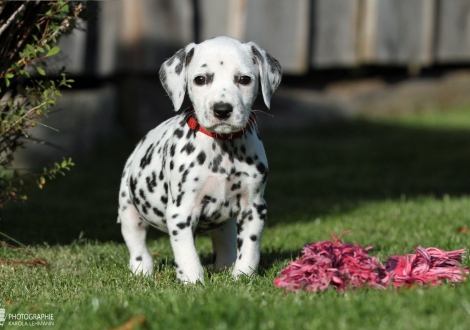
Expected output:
(194, 125)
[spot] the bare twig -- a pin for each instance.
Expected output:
(12, 17)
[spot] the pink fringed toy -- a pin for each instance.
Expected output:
(343, 266)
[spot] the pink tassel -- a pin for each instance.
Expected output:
(342, 266)
(428, 266)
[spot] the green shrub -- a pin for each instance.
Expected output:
(28, 35)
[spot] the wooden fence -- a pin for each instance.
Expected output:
(137, 35)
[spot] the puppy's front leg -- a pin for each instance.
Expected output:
(250, 225)
(188, 265)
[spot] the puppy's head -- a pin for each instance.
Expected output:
(221, 76)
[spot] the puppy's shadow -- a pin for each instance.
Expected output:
(269, 259)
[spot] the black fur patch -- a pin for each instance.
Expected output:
(157, 212)
(256, 53)
(188, 147)
(273, 64)
(209, 78)
(189, 57)
(147, 157)
(179, 133)
(151, 182)
(181, 54)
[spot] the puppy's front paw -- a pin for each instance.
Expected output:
(243, 271)
(141, 264)
(189, 277)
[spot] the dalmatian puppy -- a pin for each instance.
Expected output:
(205, 169)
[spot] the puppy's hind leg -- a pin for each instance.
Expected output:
(134, 231)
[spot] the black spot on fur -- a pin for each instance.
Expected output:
(261, 209)
(185, 175)
(174, 232)
(209, 78)
(256, 53)
(246, 214)
(249, 160)
(181, 225)
(261, 168)
(239, 243)
(157, 212)
(204, 65)
(179, 133)
(161, 176)
(142, 194)
(172, 165)
(164, 199)
(191, 133)
(179, 198)
(221, 62)
(132, 184)
(181, 54)
(236, 186)
(139, 258)
(151, 182)
(172, 150)
(147, 157)
(188, 147)
(165, 186)
(216, 162)
(240, 226)
(189, 56)
(253, 238)
(273, 64)
(224, 147)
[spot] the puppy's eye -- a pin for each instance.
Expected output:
(200, 80)
(244, 80)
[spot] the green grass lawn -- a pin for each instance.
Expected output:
(395, 182)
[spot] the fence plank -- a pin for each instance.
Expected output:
(334, 33)
(214, 17)
(282, 28)
(405, 32)
(453, 33)
(151, 31)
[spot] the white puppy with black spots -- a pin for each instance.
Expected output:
(204, 170)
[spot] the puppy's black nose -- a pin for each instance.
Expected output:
(222, 110)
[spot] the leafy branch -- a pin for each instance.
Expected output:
(28, 35)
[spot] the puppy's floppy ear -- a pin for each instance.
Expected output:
(270, 71)
(173, 74)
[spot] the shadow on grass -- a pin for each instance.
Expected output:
(313, 172)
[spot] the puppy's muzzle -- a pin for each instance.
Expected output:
(222, 110)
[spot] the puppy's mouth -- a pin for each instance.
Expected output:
(224, 127)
